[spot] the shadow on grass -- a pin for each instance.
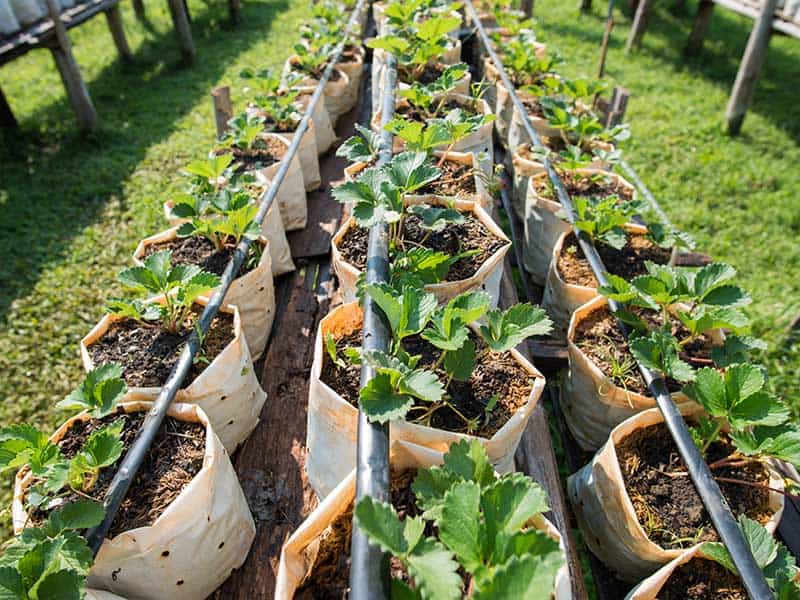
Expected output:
(53, 183)
(718, 61)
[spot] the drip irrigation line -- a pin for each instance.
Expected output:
(135, 456)
(368, 566)
(708, 489)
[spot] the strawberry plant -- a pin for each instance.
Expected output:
(772, 557)
(243, 131)
(436, 133)
(311, 62)
(224, 218)
(361, 147)
(482, 529)
(99, 393)
(51, 562)
(429, 100)
(527, 71)
(180, 285)
(603, 219)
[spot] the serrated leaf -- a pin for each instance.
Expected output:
(735, 349)
(99, 392)
(61, 585)
(509, 503)
(435, 218)
(521, 543)
(11, 585)
(469, 460)
(429, 487)
(437, 27)
(460, 525)
(434, 571)
(460, 363)
(411, 171)
(80, 514)
(381, 403)
(529, 577)
(422, 384)
(507, 329)
(379, 521)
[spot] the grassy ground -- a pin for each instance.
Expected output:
(738, 196)
(72, 210)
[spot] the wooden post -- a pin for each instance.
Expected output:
(223, 108)
(234, 6)
(753, 60)
(701, 23)
(617, 106)
(114, 19)
(639, 25)
(71, 74)
(183, 33)
(601, 67)
(138, 8)
(586, 5)
(527, 7)
(7, 120)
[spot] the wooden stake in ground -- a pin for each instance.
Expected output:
(223, 108)
(701, 22)
(114, 19)
(639, 25)
(753, 60)
(601, 67)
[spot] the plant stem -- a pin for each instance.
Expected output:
(757, 485)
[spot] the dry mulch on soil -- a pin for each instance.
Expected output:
(701, 579)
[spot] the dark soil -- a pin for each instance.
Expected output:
(599, 337)
(627, 262)
(349, 55)
(317, 73)
(431, 73)
(497, 374)
(412, 113)
(666, 502)
(532, 106)
(597, 185)
(268, 152)
(329, 577)
(147, 353)
(454, 239)
(457, 181)
(173, 460)
(701, 579)
(200, 251)
(555, 144)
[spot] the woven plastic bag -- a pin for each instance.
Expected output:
(300, 550)
(227, 390)
(486, 278)
(253, 293)
(606, 515)
(333, 421)
(192, 547)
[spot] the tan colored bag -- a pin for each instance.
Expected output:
(324, 135)
(482, 197)
(335, 96)
(650, 587)
(253, 294)
(291, 196)
(592, 403)
(227, 390)
(300, 550)
(203, 535)
(606, 514)
(280, 253)
(522, 168)
(561, 299)
(333, 421)
(517, 134)
(486, 278)
(543, 226)
(354, 70)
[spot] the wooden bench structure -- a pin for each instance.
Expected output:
(51, 33)
(767, 16)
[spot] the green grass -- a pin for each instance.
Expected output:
(71, 209)
(738, 197)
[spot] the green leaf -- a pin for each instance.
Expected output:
(735, 349)
(61, 585)
(469, 460)
(460, 363)
(511, 502)
(434, 571)
(81, 514)
(507, 329)
(99, 392)
(411, 171)
(104, 446)
(781, 442)
(521, 543)
(381, 402)
(659, 351)
(437, 28)
(379, 521)
(362, 147)
(422, 384)
(708, 390)
(529, 577)
(401, 591)
(435, 218)
(460, 525)
(430, 486)
(11, 585)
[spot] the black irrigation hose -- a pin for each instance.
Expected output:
(713, 500)
(135, 456)
(368, 572)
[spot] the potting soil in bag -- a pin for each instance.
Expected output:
(454, 167)
(27, 11)
(227, 390)
(8, 22)
(649, 588)
(333, 421)
(606, 514)
(253, 293)
(195, 543)
(335, 93)
(487, 277)
(301, 550)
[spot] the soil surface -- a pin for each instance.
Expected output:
(497, 374)
(454, 239)
(329, 574)
(431, 73)
(599, 337)
(554, 144)
(200, 251)
(598, 185)
(173, 460)
(412, 113)
(627, 262)
(666, 502)
(457, 181)
(701, 579)
(268, 152)
(147, 353)
(316, 73)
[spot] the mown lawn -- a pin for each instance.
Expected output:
(72, 210)
(738, 197)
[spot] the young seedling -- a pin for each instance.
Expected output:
(433, 219)
(429, 100)
(51, 562)
(774, 559)
(527, 71)
(180, 285)
(312, 62)
(99, 392)
(438, 133)
(481, 524)
(243, 131)
(224, 218)
(361, 147)
(603, 219)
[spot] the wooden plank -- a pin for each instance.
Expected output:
(749, 69)
(270, 465)
(639, 26)
(752, 11)
(536, 457)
